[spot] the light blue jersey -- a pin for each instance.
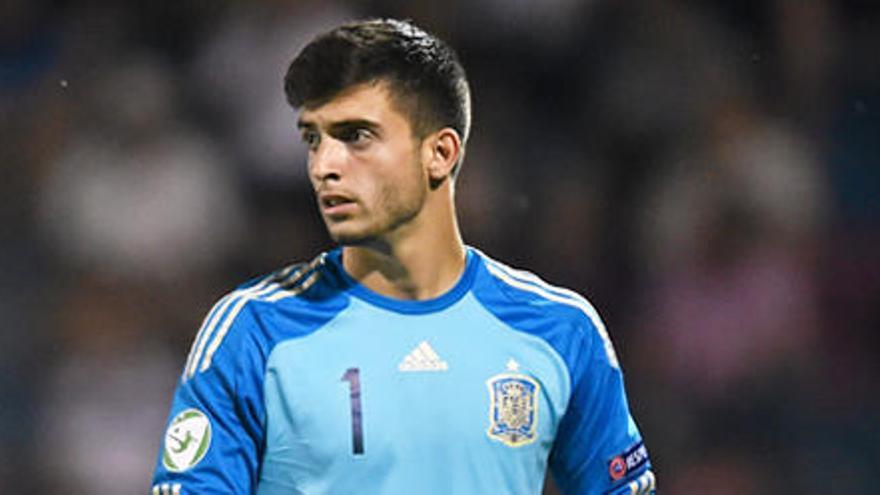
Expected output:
(306, 382)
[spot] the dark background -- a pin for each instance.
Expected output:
(706, 173)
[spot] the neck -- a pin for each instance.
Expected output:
(422, 260)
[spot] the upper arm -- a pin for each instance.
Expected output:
(214, 434)
(598, 447)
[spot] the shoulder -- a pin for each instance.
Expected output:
(286, 303)
(563, 317)
(302, 282)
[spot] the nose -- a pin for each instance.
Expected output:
(327, 161)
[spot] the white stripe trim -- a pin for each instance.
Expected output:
(529, 277)
(644, 484)
(556, 294)
(650, 482)
(156, 490)
(205, 334)
(200, 335)
(245, 297)
(299, 289)
(634, 487)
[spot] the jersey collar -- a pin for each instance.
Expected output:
(450, 297)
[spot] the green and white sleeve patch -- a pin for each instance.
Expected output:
(186, 440)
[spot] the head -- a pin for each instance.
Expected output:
(385, 110)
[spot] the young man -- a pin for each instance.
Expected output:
(404, 361)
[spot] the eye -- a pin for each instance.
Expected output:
(311, 138)
(356, 135)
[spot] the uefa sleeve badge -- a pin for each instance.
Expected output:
(513, 407)
(186, 440)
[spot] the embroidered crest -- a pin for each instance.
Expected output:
(513, 407)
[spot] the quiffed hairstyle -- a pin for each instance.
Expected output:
(424, 74)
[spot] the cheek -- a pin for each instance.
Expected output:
(397, 174)
(403, 194)
(415, 185)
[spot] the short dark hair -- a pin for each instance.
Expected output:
(424, 74)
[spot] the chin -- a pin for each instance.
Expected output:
(359, 239)
(350, 237)
(351, 233)
(349, 240)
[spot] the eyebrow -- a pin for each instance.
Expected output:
(341, 125)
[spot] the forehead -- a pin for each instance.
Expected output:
(372, 102)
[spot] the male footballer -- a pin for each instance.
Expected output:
(402, 361)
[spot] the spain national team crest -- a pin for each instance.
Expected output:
(513, 407)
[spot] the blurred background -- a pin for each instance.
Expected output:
(705, 172)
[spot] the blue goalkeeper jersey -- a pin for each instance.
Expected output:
(306, 382)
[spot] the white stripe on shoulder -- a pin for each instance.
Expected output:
(200, 335)
(220, 309)
(279, 285)
(210, 323)
(239, 304)
(297, 289)
(531, 278)
(532, 283)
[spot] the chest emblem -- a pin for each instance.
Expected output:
(513, 407)
(423, 358)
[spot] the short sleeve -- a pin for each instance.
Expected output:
(598, 447)
(215, 432)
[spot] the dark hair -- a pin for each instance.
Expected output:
(424, 74)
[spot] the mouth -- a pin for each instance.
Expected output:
(336, 204)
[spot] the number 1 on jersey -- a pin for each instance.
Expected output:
(353, 377)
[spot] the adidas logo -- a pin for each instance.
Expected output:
(423, 358)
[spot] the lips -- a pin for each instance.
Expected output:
(335, 203)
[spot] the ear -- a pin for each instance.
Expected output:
(440, 153)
